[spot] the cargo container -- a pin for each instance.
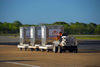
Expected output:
(30, 37)
(35, 38)
(49, 35)
(24, 38)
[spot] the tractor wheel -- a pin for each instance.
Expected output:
(71, 51)
(76, 50)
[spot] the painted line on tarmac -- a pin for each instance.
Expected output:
(20, 63)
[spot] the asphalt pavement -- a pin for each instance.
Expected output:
(88, 55)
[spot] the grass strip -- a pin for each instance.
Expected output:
(84, 37)
(88, 37)
(9, 34)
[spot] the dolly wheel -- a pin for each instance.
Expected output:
(36, 49)
(20, 49)
(76, 50)
(42, 50)
(54, 49)
(47, 50)
(59, 49)
(31, 49)
(25, 49)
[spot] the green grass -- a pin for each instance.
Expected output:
(9, 34)
(90, 37)
(83, 37)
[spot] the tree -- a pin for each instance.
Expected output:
(59, 23)
(67, 28)
(71, 23)
(93, 25)
(6, 28)
(1, 23)
(17, 23)
(91, 28)
(1, 28)
(27, 25)
(77, 28)
(72, 28)
(97, 29)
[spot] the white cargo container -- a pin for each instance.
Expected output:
(30, 37)
(49, 35)
(35, 37)
(24, 38)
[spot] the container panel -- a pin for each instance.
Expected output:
(21, 35)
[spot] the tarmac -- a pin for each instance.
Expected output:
(88, 55)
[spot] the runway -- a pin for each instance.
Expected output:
(88, 55)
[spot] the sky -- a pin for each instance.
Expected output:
(50, 11)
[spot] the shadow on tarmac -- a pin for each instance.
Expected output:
(15, 60)
(89, 51)
(9, 43)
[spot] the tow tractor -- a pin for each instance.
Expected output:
(65, 43)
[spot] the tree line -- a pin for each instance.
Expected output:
(72, 28)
